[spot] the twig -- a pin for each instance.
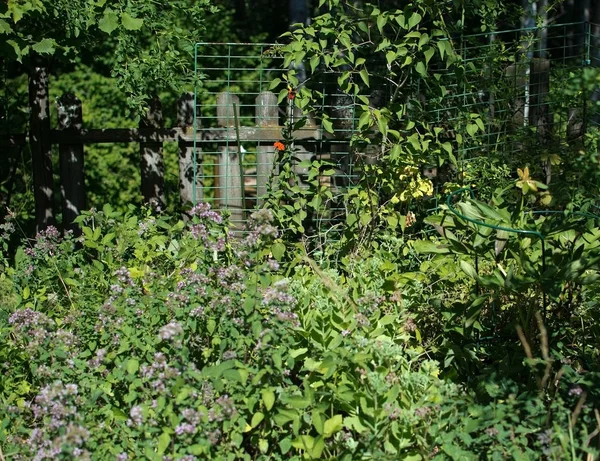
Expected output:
(577, 409)
(545, 349)
(524, 342)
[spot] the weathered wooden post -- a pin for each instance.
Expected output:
(152, 163)
(539, 113)
(539, 90)
(516, 75)
(72, 176)
(267, 115)
(40, 144)
(228, 177)
(185, 120)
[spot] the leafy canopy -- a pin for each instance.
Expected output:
(150, 42)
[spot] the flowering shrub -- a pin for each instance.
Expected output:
(152, 339)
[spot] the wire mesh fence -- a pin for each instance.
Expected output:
(514, 90)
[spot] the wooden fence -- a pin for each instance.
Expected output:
(528, 103)
(71, 137)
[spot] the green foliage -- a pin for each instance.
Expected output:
(151, 336)
(151, 42)
(521, 263)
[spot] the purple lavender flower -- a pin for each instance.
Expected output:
(492, 432)
(7, 229)
(362, 320)
(203, 211)
(197, 311)
(27, 317)
(228, 355)
(272, 265)
(136, 416)
(170, 331)
(576, 390)
(185, 428)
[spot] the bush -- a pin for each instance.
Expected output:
(147, 337)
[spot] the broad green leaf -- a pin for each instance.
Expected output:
(46, 46)
(5, 27)
(327, 125)
(442, 47)
(468, 269)
(314, 62)
(472, 129)
(364, 74)
(257, 419)
(274, 84)
(268, 398)
(108, 238)
(345, 40)
(381, 21)
(354, 424)
(429, 52)
(470, 211)
(414, 19)
(425, 246)
(132, 366)
(109, 22)
(332, 425)
(317, 420)
(285, 445)
(211, 325)
(278, 250)
(15, 9)
(389, 448)
(131, 23)
(263, 445)
(163, 443)
(421, 69)
(298, 352)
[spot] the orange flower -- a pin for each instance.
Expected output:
(279, 146)
(291, 92)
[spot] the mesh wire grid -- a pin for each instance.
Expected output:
(513, 80)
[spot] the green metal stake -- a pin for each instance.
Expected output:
(194, 156)
(240, 159)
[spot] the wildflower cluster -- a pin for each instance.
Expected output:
(261, 228)
(57, 427)
(46, 243)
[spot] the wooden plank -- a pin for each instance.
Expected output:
(185, 121)
(267, 116)
(262, 134)
(152, 163)
(72, 174)
(178, 134)
(228, 180)
(40, 144)
(12, 140)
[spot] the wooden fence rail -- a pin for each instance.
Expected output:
(71, 136)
